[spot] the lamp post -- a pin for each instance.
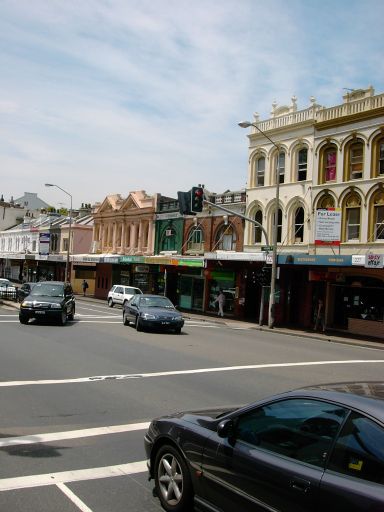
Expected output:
(272, 295)
(69, 229)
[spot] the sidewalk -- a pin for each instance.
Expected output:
(331, 336)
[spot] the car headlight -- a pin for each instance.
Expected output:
(27, 304)
(176, 318)
(148, 316)
(55, 306)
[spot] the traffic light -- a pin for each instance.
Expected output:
(184, 202)
(266, 272)
(197, 198)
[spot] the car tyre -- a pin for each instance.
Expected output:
(23, 319)
(63, 318)
(178, 330)
(125, 318)
(110, 302)
(172, 480)
(139, 327)
(71, 316)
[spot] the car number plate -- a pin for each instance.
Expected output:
(39, 312)
(165, 323)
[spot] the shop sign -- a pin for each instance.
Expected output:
(328, 226)
(358, 259)
(189, 263)
(374, 260)
(111, 259)
(222, 275)
(131, 259)
(329, 261)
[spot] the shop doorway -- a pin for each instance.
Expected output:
(191, 294)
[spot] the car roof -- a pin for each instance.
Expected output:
(126, 286)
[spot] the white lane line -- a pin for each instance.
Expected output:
(97, 310)
(23, 482)
(99, 316)
(71, 434)
(9, 321)
(98, 378)
(75, 499)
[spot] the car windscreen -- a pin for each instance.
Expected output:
(48, 290)
(156, 302)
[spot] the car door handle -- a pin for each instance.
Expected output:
(300, 485)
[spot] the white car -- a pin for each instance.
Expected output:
(120, 294)
(7, 289)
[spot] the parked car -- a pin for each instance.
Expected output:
(24, 291)
(48, 300)
(152, 312)
(314, 449)
(119, 294)
(7, 289)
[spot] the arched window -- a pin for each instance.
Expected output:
(352, 214)
(299, 225)
(377, 216)
(302, 165)
(225, 238)
(258, 231)
(281, 166)
(377, 168)
(328, 162)
(260, 171)
(279, 225)
(326, 201)
(356, 160)
(195, 239)
(168, 242)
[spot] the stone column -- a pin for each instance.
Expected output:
(114, 236)
(122, 237)
(140, 240)
(150, 248)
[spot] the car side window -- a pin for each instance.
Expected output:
(359, 450)
(118, 289)
(134, 301)
(301, 429)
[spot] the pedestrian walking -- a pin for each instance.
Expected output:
(84, 286)
(320, 316)
(220, 299)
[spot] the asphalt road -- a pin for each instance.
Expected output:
(76, 400)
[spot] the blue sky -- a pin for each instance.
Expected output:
(111, 96)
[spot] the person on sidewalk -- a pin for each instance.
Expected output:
(84, 286)
(220, 299)
(320, 316)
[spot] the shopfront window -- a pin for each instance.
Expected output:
(222, 281)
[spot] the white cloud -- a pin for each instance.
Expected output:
(129, 95)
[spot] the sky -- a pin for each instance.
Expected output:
(111, 96)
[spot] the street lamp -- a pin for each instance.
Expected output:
(69, 229)
(272, 295)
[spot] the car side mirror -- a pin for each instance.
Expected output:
(225, 428)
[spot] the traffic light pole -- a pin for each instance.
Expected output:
(253, 221)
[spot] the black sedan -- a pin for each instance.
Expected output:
(152, 312)
(48, 300)
(308, 450)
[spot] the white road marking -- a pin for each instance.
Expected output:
(75, 499)
(98, 378)
(9, 321)
(98, 316)
(71, 434)
(23, 482)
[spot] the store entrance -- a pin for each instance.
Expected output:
(191, 293)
